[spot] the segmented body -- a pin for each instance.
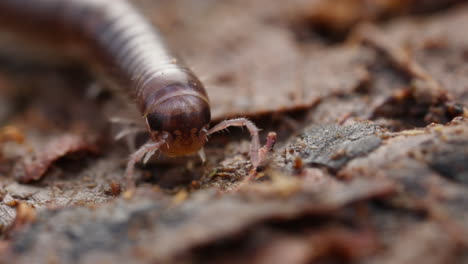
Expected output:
(130, 51)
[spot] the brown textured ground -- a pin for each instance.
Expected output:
(371, 166)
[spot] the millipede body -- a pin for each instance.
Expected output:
(131, 53)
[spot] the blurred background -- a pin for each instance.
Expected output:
(368, 99)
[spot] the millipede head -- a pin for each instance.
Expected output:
(185, 119)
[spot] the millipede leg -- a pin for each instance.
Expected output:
(243, 122)
(149, 147)
(128, 131)
(129, 134)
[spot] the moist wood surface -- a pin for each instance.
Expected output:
(369, 167)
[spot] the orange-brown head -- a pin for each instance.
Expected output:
(183, 117)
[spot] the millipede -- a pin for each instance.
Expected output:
(131, 53)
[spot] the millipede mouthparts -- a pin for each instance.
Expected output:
(132, 54)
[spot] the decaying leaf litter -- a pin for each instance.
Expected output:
(370, 163)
